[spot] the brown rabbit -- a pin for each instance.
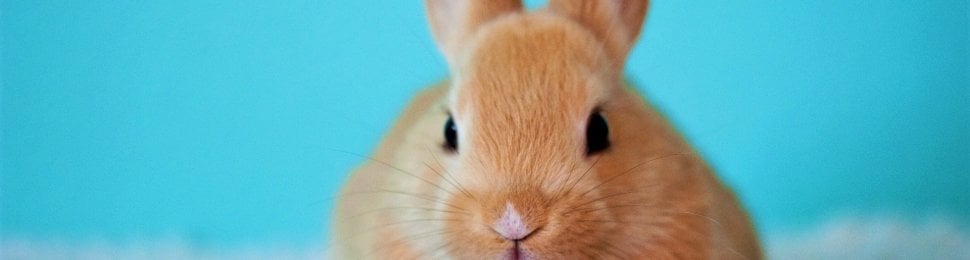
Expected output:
(537, 149)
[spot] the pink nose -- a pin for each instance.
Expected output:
(511, 226)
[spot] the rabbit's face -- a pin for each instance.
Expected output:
(527, 108)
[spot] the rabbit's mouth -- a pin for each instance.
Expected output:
(517, 252)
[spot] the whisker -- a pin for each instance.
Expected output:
(721, 243)
(439, 249)
(420, 196)
(562, 187)
(452, 178)
(341, 220)
(588, 209)
(708, 218)
(631, 170)
(601, 198)
(668, 212)
(403, 240)
(396, 168)
(436, 172)
(581, 177)
(386, 225)
(618, 222)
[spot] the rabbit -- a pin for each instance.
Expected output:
(536, 147)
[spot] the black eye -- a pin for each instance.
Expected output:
(597, 134)
(451, 135)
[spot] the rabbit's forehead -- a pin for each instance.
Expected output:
(522, 65)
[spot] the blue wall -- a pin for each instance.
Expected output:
(217, 121)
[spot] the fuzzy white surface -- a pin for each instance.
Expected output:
(873, 238)
(844, 238)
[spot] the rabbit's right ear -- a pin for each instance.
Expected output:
(615, 22)
(452, 21)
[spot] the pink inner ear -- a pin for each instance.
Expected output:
(510, 225)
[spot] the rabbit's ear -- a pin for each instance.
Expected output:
(452, 21)
(616, 23)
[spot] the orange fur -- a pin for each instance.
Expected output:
(523, 87)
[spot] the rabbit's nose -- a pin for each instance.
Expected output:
(512, 226)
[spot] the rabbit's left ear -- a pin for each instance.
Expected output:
(452, 21)
(616, 23)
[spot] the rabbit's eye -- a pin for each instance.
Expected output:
(451, 135)
(597, 134)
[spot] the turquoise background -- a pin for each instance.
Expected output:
(218, 121)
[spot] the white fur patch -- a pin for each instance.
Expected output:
(510, 225)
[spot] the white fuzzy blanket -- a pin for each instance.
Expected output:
(845, 238)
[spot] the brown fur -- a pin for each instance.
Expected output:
(523, 87)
